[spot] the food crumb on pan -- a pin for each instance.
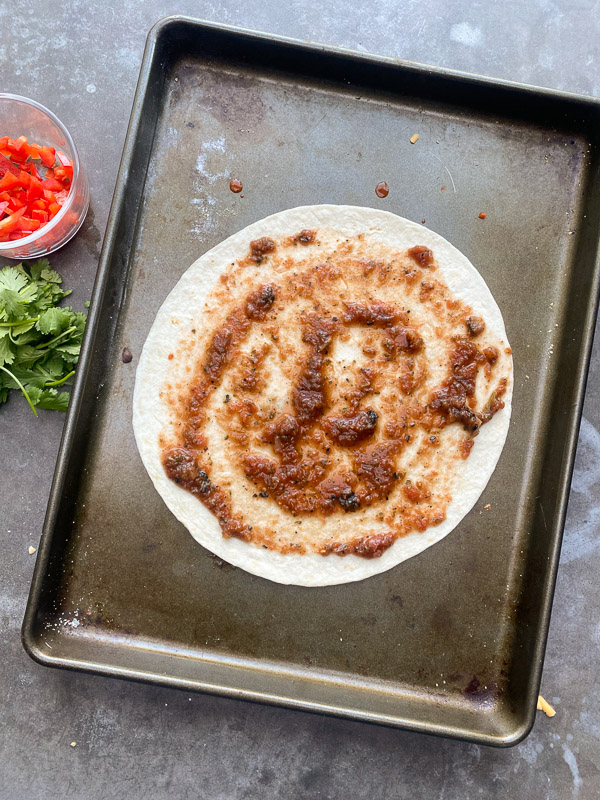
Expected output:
(414, 138)
(543, 705)
(482, 215)
(73, 744)
(31, 550)
(126, 355)
(488, 507)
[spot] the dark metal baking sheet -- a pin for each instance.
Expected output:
(452, 641)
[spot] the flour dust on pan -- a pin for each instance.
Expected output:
(324, 394)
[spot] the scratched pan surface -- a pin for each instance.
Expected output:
(452, 641)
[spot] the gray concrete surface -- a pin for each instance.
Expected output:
(137, 741)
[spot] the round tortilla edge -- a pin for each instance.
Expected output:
(168, 328)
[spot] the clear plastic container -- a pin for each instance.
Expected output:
(22, 117)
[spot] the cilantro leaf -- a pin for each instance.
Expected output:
(11, 278)
(34, 392)
(37, 268)
(19, 330)
(39, 340)
(30, 335)
(69, 349)
(78, 320)
(24, 375)
(54, 320)
(51, 276)
(55, 366)
(70, 352)
(10, 303)
(28, 293)
(7, 351)
(54, 401)
(27, 355)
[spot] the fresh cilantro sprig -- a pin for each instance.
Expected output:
(39, 340)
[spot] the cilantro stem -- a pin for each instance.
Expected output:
(21, 387)
(61, 381)
(57, 338)
(18, 322)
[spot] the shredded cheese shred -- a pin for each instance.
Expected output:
(544, 706)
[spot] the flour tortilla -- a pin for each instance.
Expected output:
(182, 312)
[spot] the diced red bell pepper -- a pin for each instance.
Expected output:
(34, 190)
(9, 181)
(24, 178)
(65, 169)
(15, 202)
(11, 223)
(47, 154)
(41, 216)
(18, 147)
(52, 185)
(33, 170)
(31, 194)
(6, 165)
(29, 224)
(63, 173)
